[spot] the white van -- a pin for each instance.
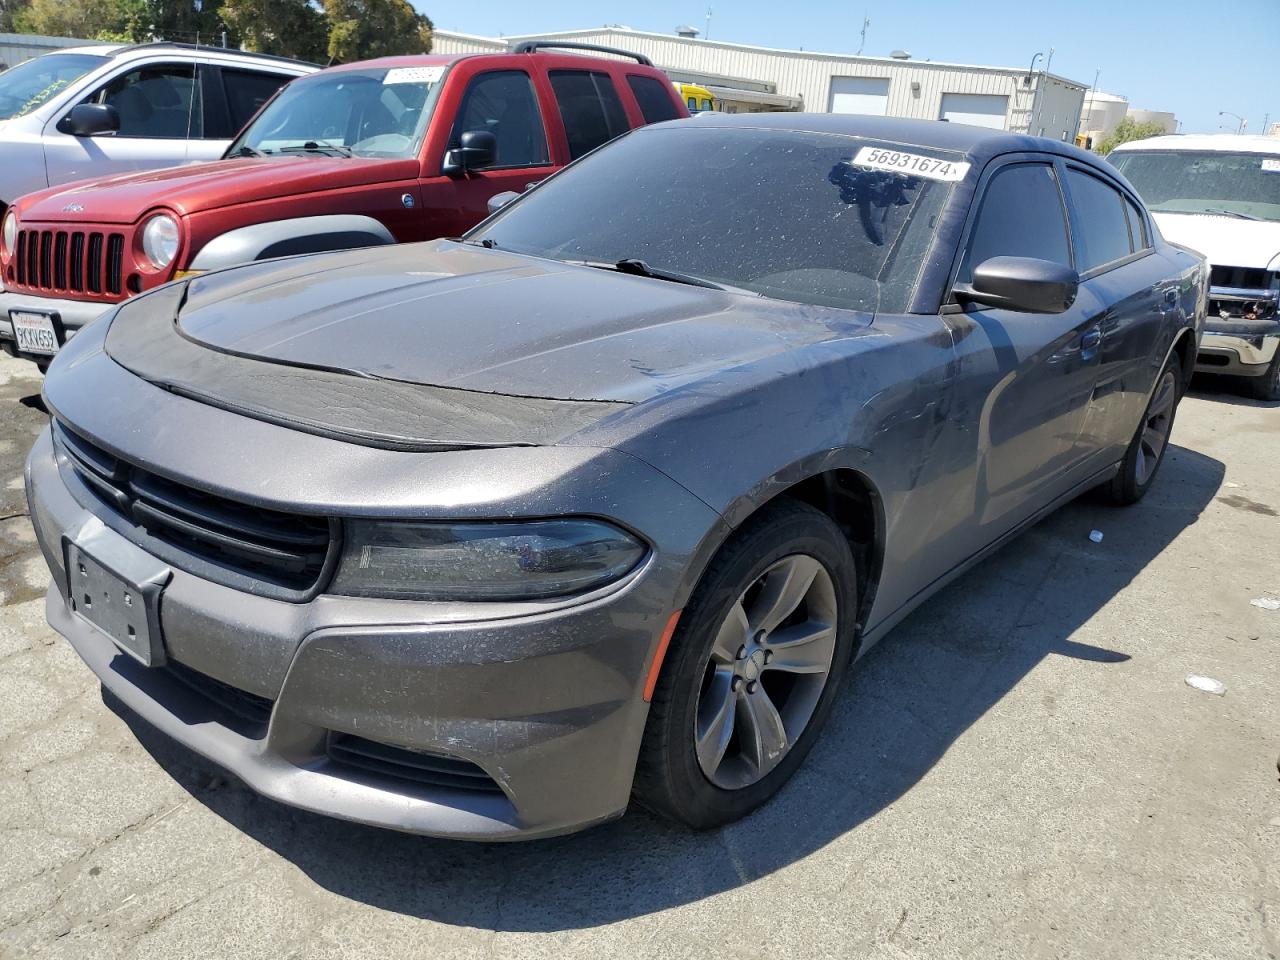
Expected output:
(93, 111)
(1220, 195)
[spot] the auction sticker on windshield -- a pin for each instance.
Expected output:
(412, 75)
(1271, 165)
(912, 164)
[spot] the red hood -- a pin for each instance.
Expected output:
(202, 186)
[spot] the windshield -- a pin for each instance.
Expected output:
(34, 83)
(1240, 184)
(367, 113)
(779, 213)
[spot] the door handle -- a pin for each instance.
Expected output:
(1171, 297)
(1090, 340)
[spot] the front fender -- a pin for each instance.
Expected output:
(284, 238)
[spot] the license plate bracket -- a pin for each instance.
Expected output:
(119, 594)
(37, 332)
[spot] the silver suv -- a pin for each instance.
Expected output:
(97, 110)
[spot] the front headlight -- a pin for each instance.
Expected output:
(160, 240)
(520, 560)
(10, 231)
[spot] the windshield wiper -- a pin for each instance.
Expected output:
(638, 268)
(486, 242)
(319, 146)
(1232, 213)
(247, 151)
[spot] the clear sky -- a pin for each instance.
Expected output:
(1191, 58)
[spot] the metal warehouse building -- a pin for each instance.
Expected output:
(746, 78)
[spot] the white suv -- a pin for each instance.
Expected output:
(94, 111)
(1220, 195)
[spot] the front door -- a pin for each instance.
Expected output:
(503, 103)
(161, 113)
(1029, 445)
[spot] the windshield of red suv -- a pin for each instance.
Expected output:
(380, 112)
(807, 217)
(1244, 185)
(32, 84)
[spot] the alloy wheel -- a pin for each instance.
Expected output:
(1155, 427)
(769, 664)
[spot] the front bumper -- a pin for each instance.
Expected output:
(1242, 348)
(73, 315)
(548, 706)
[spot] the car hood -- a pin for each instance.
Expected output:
(1224, 241)
(458, 316)
(202, 186)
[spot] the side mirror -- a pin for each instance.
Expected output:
(500, 200)
(91, 120)
(1021, 283)
(476, 150)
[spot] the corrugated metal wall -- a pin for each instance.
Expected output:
(16, 48)
(915, 86)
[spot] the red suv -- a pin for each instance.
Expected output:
(385, 151)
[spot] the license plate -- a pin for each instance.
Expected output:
(124, 607)
(35, 332)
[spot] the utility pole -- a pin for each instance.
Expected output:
(866, 22)
(706, 34)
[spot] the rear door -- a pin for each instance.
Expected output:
(1029, 443)
(232, 97)
(1135, 290)
(161, 111)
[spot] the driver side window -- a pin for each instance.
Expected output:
(160, 101)
(503, 103)
(1022, 215)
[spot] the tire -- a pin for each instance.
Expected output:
(762, 562)
(1142, 460)
(1267, 386)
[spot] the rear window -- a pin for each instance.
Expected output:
(247, 92)
(590, 109)
(654, 98)
(1101, 228)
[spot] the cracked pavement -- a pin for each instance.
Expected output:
(1018, 771)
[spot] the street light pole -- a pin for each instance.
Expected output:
(1228, 113)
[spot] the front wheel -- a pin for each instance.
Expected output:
(1147, 449)
(753, 668)
(1267, 386)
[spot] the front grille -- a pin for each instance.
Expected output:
(253, 711)
(70, 261)
(1247, 278)
(287, 550)
(401, 763)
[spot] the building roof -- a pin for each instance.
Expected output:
(1225, 142)
(776, 51)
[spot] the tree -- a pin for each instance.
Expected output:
(1130, 129)
(286, 28)
(88, 19)
(361, 29)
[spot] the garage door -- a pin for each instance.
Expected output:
(860, 95)
(978, 109)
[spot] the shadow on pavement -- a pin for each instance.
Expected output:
(1235, 391)
(905, 704)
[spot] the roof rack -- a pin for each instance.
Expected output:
(533, 46)
(176, 45)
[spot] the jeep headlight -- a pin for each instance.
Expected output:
(10, 231)
(160, 240)
(517, 560)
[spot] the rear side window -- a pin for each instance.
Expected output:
(503, 102)
(1101, 228)
(655, 102)
(590, 109)
(247, 92)
(1021, 216)
(1137, 226)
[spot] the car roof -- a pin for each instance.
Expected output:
(193, 50)
(444, 59)
(94, 50)
(1223, 142)
(978, 143)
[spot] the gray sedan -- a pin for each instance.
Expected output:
(484, 538)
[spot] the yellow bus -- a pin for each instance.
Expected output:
(698, 98)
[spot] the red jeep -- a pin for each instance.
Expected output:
(385, 151)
